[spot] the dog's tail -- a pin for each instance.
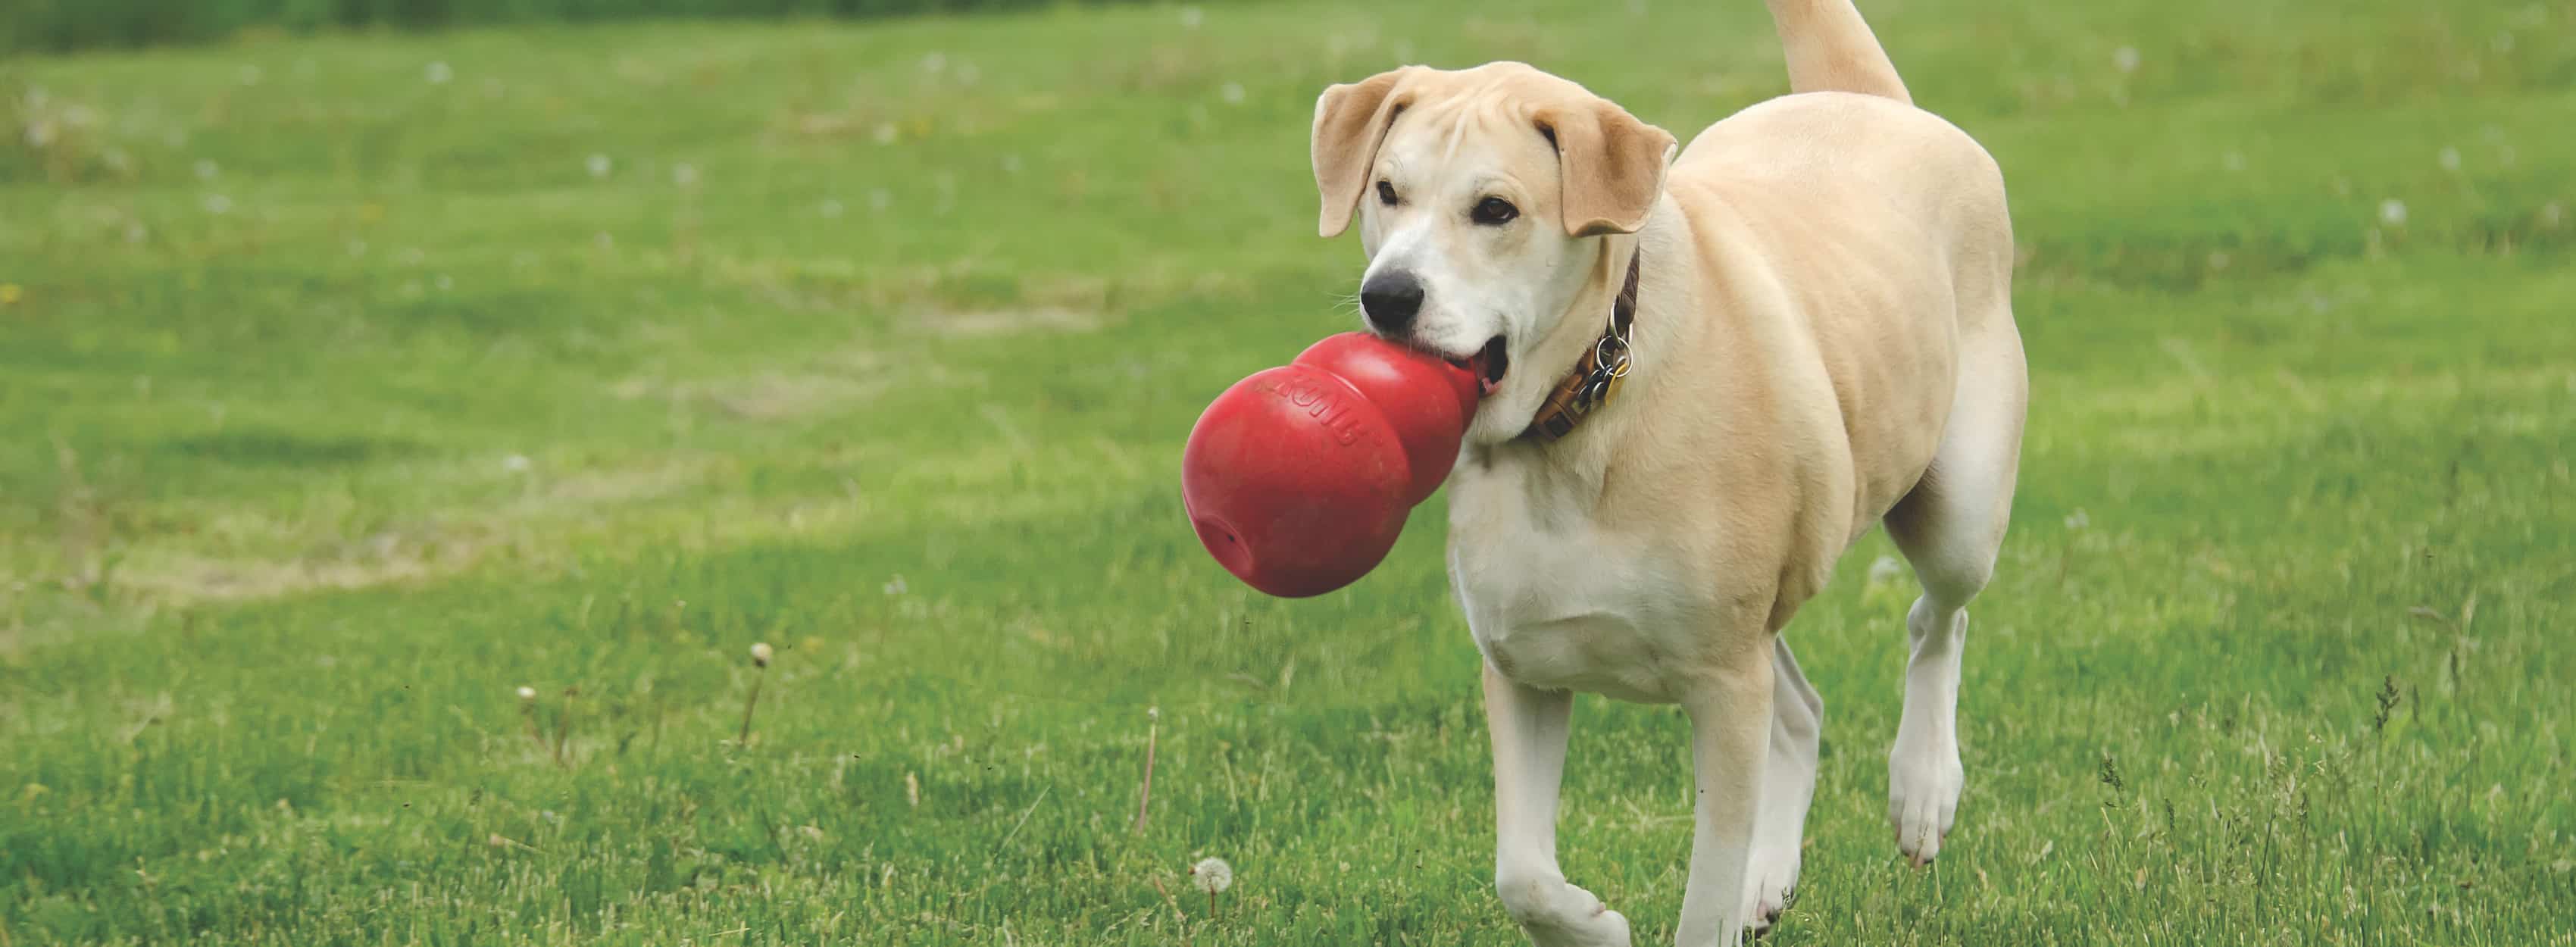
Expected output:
(1831, 49)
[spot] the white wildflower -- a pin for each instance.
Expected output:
(760, 654)
(684, 174)
(1212, 875)
(207, 170)
(437, 73)
(934, 63)
(830, 208)
(218, 204)
(515, 463)
(884, 133)
(2392, 212)
(2449, 158)
(1232, 93)
(895, 587)
(599, 165)
(527, 693)
(2077, 520)
(1191, 17)
(2125, 58)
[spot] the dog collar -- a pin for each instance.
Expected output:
(1597, 376)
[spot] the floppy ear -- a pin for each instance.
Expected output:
(1611, 165)
(1350, 120)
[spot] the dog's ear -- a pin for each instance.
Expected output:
(1350, 120)
(1612, 165)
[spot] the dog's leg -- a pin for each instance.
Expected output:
(1923, 771)
(1951, 526)
(1529, 728)
(1730, 739)
(1788, 785)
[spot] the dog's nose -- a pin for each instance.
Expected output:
(1391, 299)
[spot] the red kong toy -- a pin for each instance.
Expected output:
(1299, 477)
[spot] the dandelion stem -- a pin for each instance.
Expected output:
(1145, 795)
(748, 704)
(563, 727)
(760, 655)
(528, 712)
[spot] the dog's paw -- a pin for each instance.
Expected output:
(1769, 879)
(1556, 914)
(1922, 799)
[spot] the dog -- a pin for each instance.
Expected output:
(1702, 378)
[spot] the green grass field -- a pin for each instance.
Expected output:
(348, 385)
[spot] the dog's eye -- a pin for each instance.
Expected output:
(1494, 211)
(1386, 193)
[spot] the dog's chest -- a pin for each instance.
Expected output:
(1555, 602)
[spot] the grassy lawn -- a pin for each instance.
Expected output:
(348, 385)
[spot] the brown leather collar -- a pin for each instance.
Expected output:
(1597, 376)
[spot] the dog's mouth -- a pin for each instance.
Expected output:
(1489, 363)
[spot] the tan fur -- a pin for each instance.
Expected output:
(1823, 341)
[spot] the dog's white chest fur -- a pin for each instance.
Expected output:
(1553, 601)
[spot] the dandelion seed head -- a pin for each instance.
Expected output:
(1212, 875)
(1885, 570)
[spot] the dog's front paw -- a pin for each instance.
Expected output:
(1922, 797)
(1768, 879)
(1556, 914)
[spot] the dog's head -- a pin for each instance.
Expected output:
(1483, 196)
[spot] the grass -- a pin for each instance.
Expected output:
(349, 384)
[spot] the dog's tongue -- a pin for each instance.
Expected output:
(1480, 365)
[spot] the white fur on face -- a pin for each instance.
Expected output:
(1479, 281)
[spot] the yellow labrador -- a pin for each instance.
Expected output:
(1704, 377)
